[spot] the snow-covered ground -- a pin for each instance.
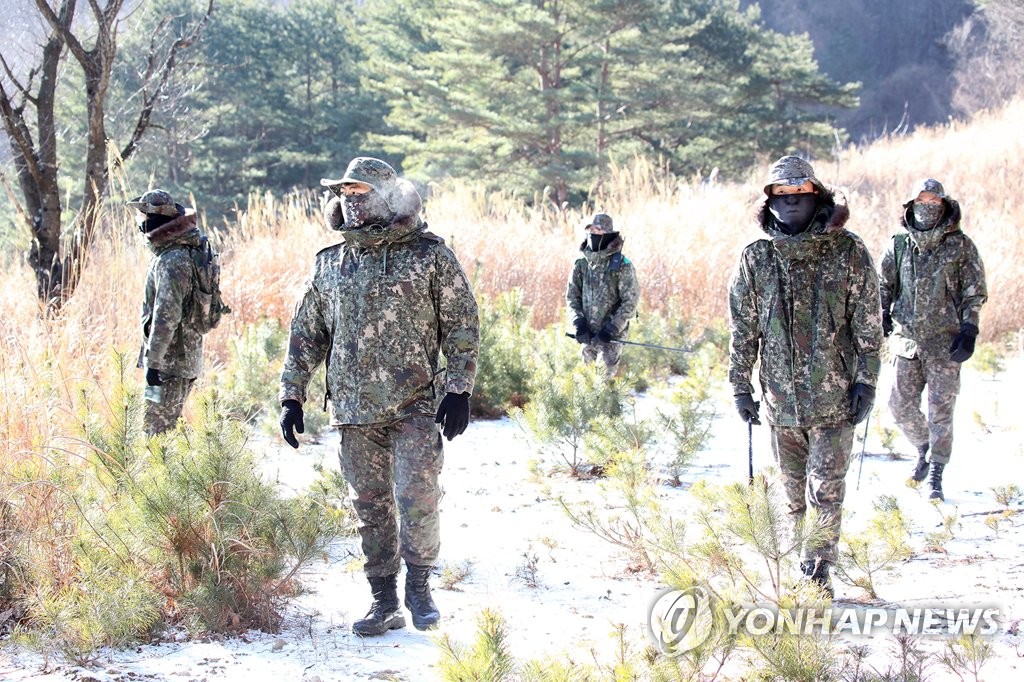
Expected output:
(503, 520)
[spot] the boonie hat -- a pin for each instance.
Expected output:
(156, 201)
(601, 223)
(365, 169)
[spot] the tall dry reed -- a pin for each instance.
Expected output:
(683, 235)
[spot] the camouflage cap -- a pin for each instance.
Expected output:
(601, 223)
(156, 201)
(926, 185)
(368, 170)
(792, 171)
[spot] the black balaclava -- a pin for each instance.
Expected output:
(927, 216)
(362, 210)
(793, 213)
(150, 221)
(600, 242)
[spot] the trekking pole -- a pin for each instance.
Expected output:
(863, 447)
(644, 345)
(750, 451)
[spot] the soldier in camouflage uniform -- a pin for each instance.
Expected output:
(803, 300)
(602, 294)
(932, 289)
(379, 308)
(172, 348)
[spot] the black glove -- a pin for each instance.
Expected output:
(606, 334)
(453, 412)
(747, 408)
(862, 397)
(583, 334)
(291, 422)
(963, 344)
(153, 377)
(886, 323)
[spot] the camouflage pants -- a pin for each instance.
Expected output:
(162, 416)
(399, 463)
(609, 352)
(942, 377)
(813, 463)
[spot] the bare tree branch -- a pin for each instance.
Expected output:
(62, 26)
(149, 99)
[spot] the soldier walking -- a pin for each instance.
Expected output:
(602, 293)
(932, 286)
(172, 347)
(378, 309)
(803, 300)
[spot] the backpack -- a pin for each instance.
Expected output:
(207, 305)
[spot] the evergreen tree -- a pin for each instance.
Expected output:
(543, 94)
(274, 101)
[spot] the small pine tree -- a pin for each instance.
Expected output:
(564, 409)
(885, 542)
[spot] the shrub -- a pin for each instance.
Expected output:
(249, 382)
(506, 359)
(564, 409)
(129, 532)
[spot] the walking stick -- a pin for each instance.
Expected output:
(863, 447)
(750, 451)
(644, 345)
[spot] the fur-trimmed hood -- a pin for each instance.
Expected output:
(181, 230)
(404, 200)
(832, 215)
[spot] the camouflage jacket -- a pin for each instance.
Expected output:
(171, 344)
(379, 308)
(931, 282)
(807, 302)
(603, 288)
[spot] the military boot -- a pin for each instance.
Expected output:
(936, 481)
(425, 615)
(816, 570)
(921, 468)
(385, 613)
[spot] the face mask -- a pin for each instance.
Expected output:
(151, 221)
(793, 211)
(927, 216)
(361, 210)
(599, 242)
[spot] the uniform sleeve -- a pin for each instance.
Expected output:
(744, 327)
(459, 322)
(974, 292)
(309, 341)
(574, 293)
(865, 315)
(888, 277)
(173, 285)
(629, 299)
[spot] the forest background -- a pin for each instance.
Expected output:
(664, 114)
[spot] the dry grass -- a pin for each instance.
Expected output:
(683, 235)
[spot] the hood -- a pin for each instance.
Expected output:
(950, 223)
(614, 247)
(832, 216)
(405, 201)
(181, 230)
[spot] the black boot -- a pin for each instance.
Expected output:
(816, 570)
(921, 468)
(425, 615)
(936, 481)
(385, 613)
